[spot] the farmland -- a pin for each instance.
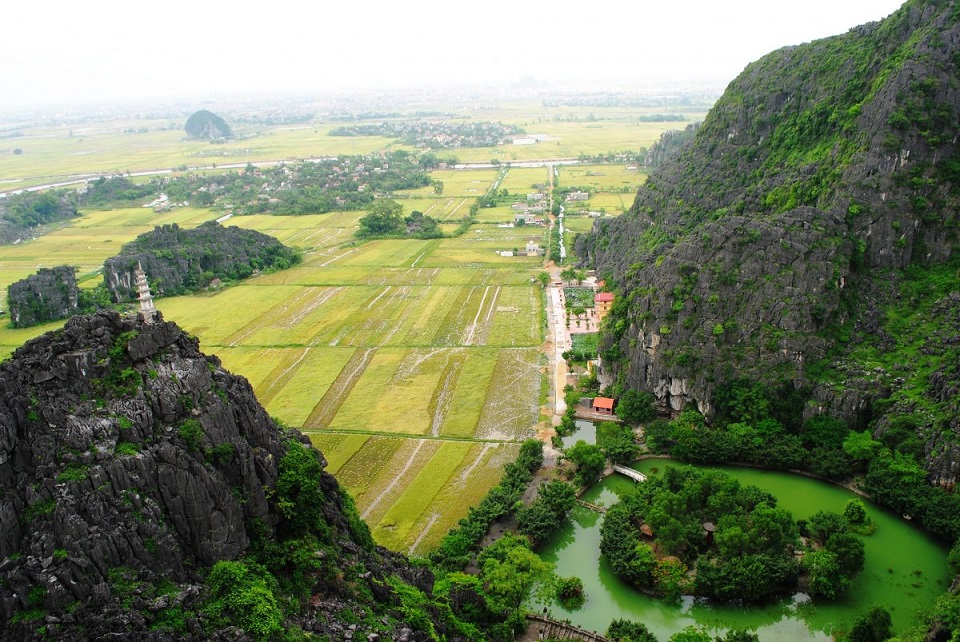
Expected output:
(425, 354)
(396, 341)
(415, 366)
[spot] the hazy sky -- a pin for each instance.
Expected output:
(104, 49)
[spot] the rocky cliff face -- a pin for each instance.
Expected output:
(48, 295)
(780, 244)
(129, 464)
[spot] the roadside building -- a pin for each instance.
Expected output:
(602, 301)
(603, 405)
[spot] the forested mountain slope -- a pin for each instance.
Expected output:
(806, 239)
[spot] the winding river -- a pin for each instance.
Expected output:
(905, 569)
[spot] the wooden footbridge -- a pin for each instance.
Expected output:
(594, 507)
(635, 475)
(543, 628)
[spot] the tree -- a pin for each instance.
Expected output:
(570, 592)
(619, 446)
(827, 579)
(855, 512)
(738, 635)
(636, 407)
(849, 551)
(861, 445)
(627, 631)
(873, 626)
(823, 524)
(383, 218)
(589, 460)
(509, 569)
(540, 519)
(691, 634)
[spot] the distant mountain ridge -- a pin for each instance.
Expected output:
(807, 238)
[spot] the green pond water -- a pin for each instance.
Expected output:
(905, 570)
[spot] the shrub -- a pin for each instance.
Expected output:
(191, 432)
(244, 593)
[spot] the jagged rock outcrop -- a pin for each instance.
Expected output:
(779, 241)
(130, 463)
(669, 145)
(178, 261)
(49, 295)
(205, 124)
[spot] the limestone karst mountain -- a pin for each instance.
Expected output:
(806, 238)
(145, 494)
(206, 124)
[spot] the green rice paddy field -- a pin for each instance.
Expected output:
(415, 366)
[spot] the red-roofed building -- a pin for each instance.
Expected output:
(602, 301)
(603, 405)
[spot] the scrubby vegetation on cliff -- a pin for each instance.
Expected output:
(179, 261)
(806, 238)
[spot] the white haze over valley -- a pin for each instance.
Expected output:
(55, 53)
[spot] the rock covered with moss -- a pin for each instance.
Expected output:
(805, 237)
(146, 494)
(207, 125)
(49, 295)
(179, 261)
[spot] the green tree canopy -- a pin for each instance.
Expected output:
(636, 407)
(383, 218)
(589, 460)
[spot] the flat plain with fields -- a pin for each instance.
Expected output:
(414, 365)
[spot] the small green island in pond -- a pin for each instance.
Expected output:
(703, 533)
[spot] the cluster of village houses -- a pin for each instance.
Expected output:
(589, 322)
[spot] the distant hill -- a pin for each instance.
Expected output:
(178, 261)
(206, 124)
(48, 295)
(22, 214)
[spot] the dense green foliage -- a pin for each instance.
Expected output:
(180, 261)
(754, 426)
(736, 537)
(384, 218)
(244, 593)
(589, 460)
(617, 442)
(627, 631)
(31, 209)
(636, 407)
(458, 546)
(116, 190)
(549, 510)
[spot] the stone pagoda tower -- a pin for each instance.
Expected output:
(147, 310)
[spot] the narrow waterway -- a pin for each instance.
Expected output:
(905, 570)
